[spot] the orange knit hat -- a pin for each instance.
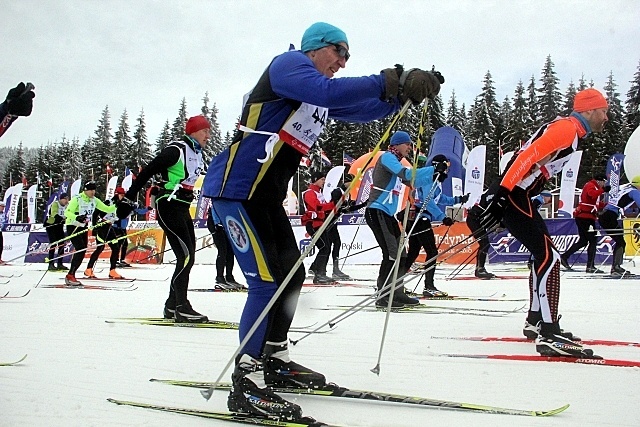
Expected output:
(589, 99)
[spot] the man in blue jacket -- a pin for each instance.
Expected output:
(424, 212)
(281, 120)
(389, 176)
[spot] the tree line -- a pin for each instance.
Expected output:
(499, 124)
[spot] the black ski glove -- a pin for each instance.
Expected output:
(81, 218)
(335, 195)
(20, 99)
(124, 208)
(415, 84)
(494, 211)
(447, 221)
(607, 188)
(462, 199)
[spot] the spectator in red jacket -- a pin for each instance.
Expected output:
(316, 209)
(585, 216)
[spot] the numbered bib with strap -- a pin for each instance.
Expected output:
(302, 129)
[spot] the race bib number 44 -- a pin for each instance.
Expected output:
(302, 130)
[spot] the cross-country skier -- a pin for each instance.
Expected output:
(509, 201)
(281, 120)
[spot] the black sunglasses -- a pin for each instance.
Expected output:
(342, 51)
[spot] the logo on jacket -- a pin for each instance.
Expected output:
(238, 234)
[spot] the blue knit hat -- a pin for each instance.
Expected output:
(320, 35)
(400, 137)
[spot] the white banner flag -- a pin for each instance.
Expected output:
(31, 204)
(568, 185)
(505, 160)
(331, 182)
(111, 187)
(474, 177)
(16, 194)
(75, 187)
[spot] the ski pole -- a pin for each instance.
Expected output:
(57, 242)
(98, 245)
(209, 392)
(396, 265)
(166, 250)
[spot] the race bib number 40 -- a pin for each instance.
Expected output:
(302, 130)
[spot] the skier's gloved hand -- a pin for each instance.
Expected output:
(462, 199)
(57, 219)
(447, 221)
(81, 218)
(124, 208)
(19, 100)
(607, 188)
(493, 213)
(417, 85)
(414, 84)
(441, 176)
(335, 195)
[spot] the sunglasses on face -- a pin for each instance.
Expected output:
(342, 51)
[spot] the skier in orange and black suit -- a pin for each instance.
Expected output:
(509, 201)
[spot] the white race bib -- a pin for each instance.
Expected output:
(302, 130)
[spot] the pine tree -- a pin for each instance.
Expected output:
(550, 98)
(164, 138)
(122, 144)
(177, 130)
(140, 149)
(532, 103)
(484, 126)
(569, 96)
(455, 118)
(616, 133)
(518, 127)
(633, 103)
(97, 153)
(15, 168)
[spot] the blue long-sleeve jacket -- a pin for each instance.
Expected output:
(432, 211)
(389, 175)
(288, 81)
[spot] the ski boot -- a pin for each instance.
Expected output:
(433, 292)
(281, 371)
(231, 281)
(88, 273)
(337, 274)
(250, 395)
(113, 274)
(186, 314)
(551, 342)
(482, 273)
(70, 280)
(594, 270)
(565, 263)
(322, 279)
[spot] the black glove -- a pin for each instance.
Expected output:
(81, 218)
(447, 221)
(417, 85)
(414, 84)
(607, 188)
(57, 219)
(124, 208)
(335, 195)
(149, 208)
(463, 199)
(20, 99)
(442, 176)
(494, 211)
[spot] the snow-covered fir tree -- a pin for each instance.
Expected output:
(549, 102)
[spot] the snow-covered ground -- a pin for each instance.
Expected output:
(76, 360)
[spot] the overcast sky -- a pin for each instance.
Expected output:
(83, 54)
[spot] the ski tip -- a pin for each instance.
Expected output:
(553, 411)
